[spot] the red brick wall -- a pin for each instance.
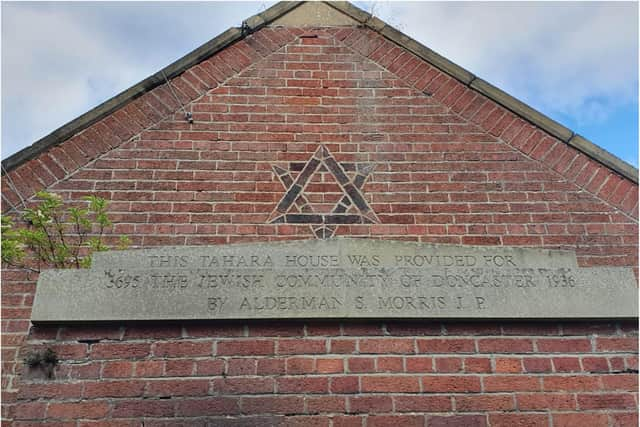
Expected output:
(451, 167)
(353, 373)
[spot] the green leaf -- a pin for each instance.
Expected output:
(123, 243)
(96, 204)
(56, 237)
(12, 246)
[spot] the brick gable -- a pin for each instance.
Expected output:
(449, 165)
(439, 175)
(407, 69)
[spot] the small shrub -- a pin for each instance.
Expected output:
(57, 237)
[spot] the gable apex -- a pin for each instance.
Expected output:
(314, 14)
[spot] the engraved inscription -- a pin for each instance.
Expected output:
(283, 303)
(337, 278)
(415, 284)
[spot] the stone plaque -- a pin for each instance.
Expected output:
(335, 278)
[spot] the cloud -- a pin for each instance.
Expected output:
(49, 78)
(59, 60)
(575, 58)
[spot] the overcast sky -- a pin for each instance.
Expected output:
(577, 62)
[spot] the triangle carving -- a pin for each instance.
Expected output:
(295, 208)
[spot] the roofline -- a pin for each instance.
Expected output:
(497, 95)
(174, 69)
(262, 19)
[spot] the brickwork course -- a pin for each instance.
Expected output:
(441, 157)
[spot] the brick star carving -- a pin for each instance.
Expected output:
(323, 225)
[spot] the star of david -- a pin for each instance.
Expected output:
(323, 225)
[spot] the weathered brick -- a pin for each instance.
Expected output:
(210, 367)
(457, 420)
(177, 387)
(244, 385)
(207, 406)
(120, 350)
(245, 348)
(387, 345)
(370, 404)
(142, 408)
(390, 384)
(390, 420)
(505, 345)
(542, 401)
(505, 383)
(183, 349)
(301, 346)
(422, 403)
(449, 345)
(329, 366)
(272, 405)
(627, 382)
(606, 344)
(117, 369)
(566, 364)
(519, 420)
(477, 364)
(490, 402)
(303, 384)
(579, 420)
(570, 383)
(28, 411)
(32, 391)
(450, 383)
(125, 388)
(151, 368)
(564, 345)
(75, 410)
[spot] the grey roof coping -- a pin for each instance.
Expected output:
(603, 156)
(349, 9)
(403, 40)
(522, 109)
(261, 19)
(101, 111)
(490, 91)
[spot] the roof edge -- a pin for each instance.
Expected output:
(497, 95)
(262, 19)
(174, 69)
